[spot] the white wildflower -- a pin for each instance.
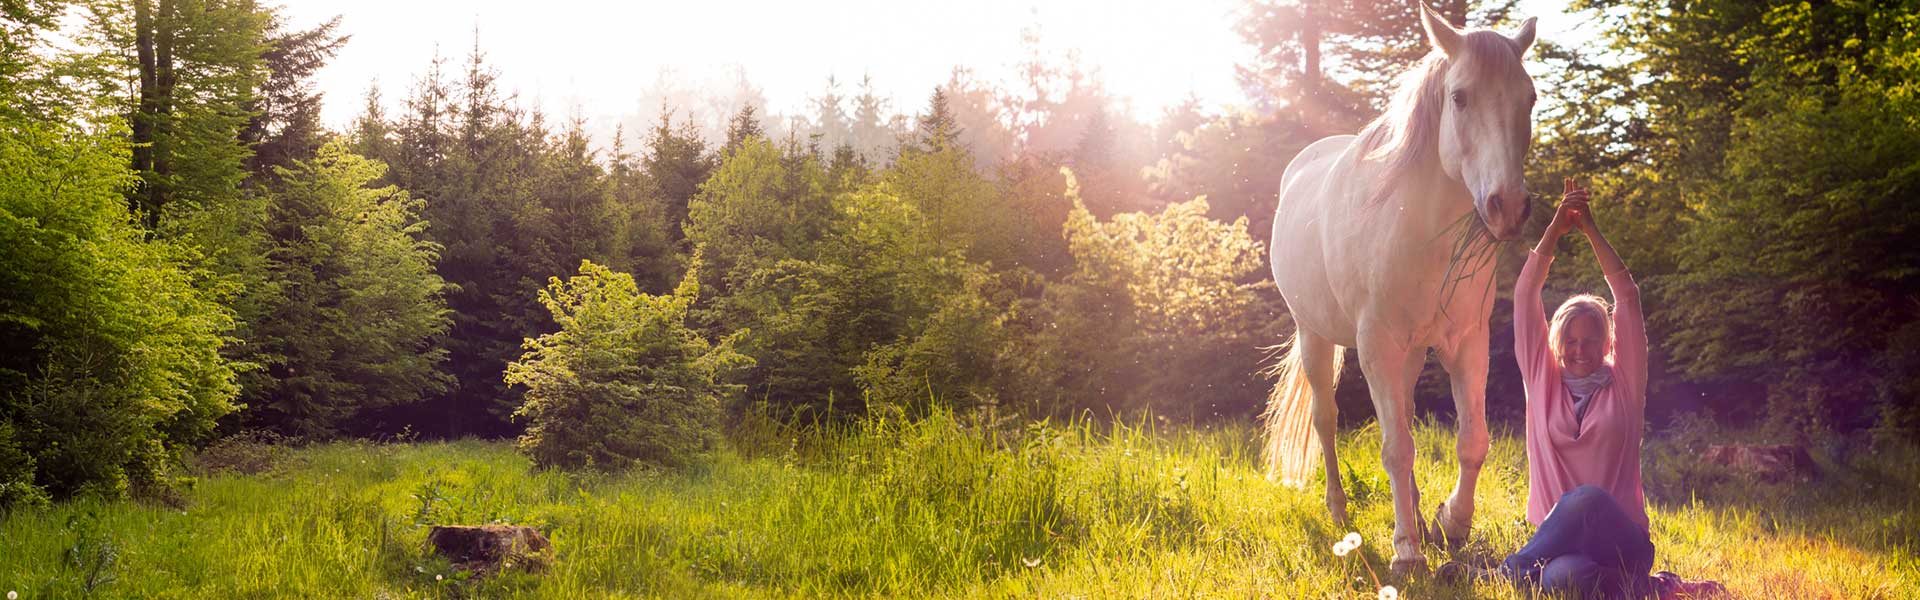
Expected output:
(1341, 548)
(438, 577)
(13, 595)
(1388, 593)
(1352, 539)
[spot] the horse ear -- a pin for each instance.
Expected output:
(1524, 38)
(1439, 33)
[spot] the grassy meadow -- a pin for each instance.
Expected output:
(933, 508)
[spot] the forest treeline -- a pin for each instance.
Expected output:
(189, 252)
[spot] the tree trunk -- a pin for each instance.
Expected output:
(142, 201)
(153, 41)
(164, 80)
(1310, 48)
(1456, 12)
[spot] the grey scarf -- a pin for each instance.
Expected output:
(1583, 388)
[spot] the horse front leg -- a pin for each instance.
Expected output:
(1466, 364)
(1391, 369)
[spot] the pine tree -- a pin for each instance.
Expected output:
(830, 118)
(676, 163)
(285, 122)
(576, 214)
(354, 329)
(938, 131)
(870, 136)
(744, 126)
(371, 135)
(624, 381)
(1333, 62)
(643, 234)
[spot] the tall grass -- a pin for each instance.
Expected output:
(940, 507)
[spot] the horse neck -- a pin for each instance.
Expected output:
(1431, 201)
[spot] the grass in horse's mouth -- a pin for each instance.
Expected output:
(1473, 249)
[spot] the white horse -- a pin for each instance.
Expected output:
(1376, 246)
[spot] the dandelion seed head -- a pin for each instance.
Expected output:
(13, 595)
(1352, 539)
(1388, 593)
(1341, 548)
(438, 577)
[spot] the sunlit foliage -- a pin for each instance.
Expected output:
(624, 381)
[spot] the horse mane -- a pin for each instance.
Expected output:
(1407, 134)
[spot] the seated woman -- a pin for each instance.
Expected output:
(1586, 384)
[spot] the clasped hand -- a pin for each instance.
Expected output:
(1573, 212)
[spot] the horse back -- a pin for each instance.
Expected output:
(1316, 158)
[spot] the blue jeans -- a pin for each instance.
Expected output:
(1587, 547)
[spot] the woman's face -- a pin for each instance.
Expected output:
(1583, 346)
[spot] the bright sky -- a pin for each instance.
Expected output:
(599, 59)
(602, 57)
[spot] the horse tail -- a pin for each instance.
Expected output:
(1289, 417)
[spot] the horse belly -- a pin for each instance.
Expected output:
(1299, 257)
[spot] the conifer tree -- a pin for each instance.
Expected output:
(285, 122)
(870, 137)
(938, 131)
(744, 126)
(676, 163)
(361, 306)
(830, 117)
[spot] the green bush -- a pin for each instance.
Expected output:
(1163, 311)
(109, 350)
(953, 357)
(624, 381)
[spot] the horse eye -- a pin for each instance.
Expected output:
(1459, 97)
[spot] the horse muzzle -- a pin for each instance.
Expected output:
(1506, 214)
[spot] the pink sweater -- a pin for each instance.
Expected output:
(1604, 448)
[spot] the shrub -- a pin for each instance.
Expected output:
(953, 357)
(624, 381)
(16, 473)
(109, 344)
(1163, 311)
(249, 452)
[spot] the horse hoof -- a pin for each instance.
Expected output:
(1451, 538)
(1409, 566)
(1339, 514)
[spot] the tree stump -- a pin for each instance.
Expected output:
(487, 549)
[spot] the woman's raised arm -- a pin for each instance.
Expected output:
(1629, 326)
(1529, 314)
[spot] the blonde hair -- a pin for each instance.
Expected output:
(1582, 305)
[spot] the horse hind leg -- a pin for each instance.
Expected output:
(1300, 410)
(1320, 362)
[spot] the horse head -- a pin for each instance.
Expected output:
(1486, 122)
